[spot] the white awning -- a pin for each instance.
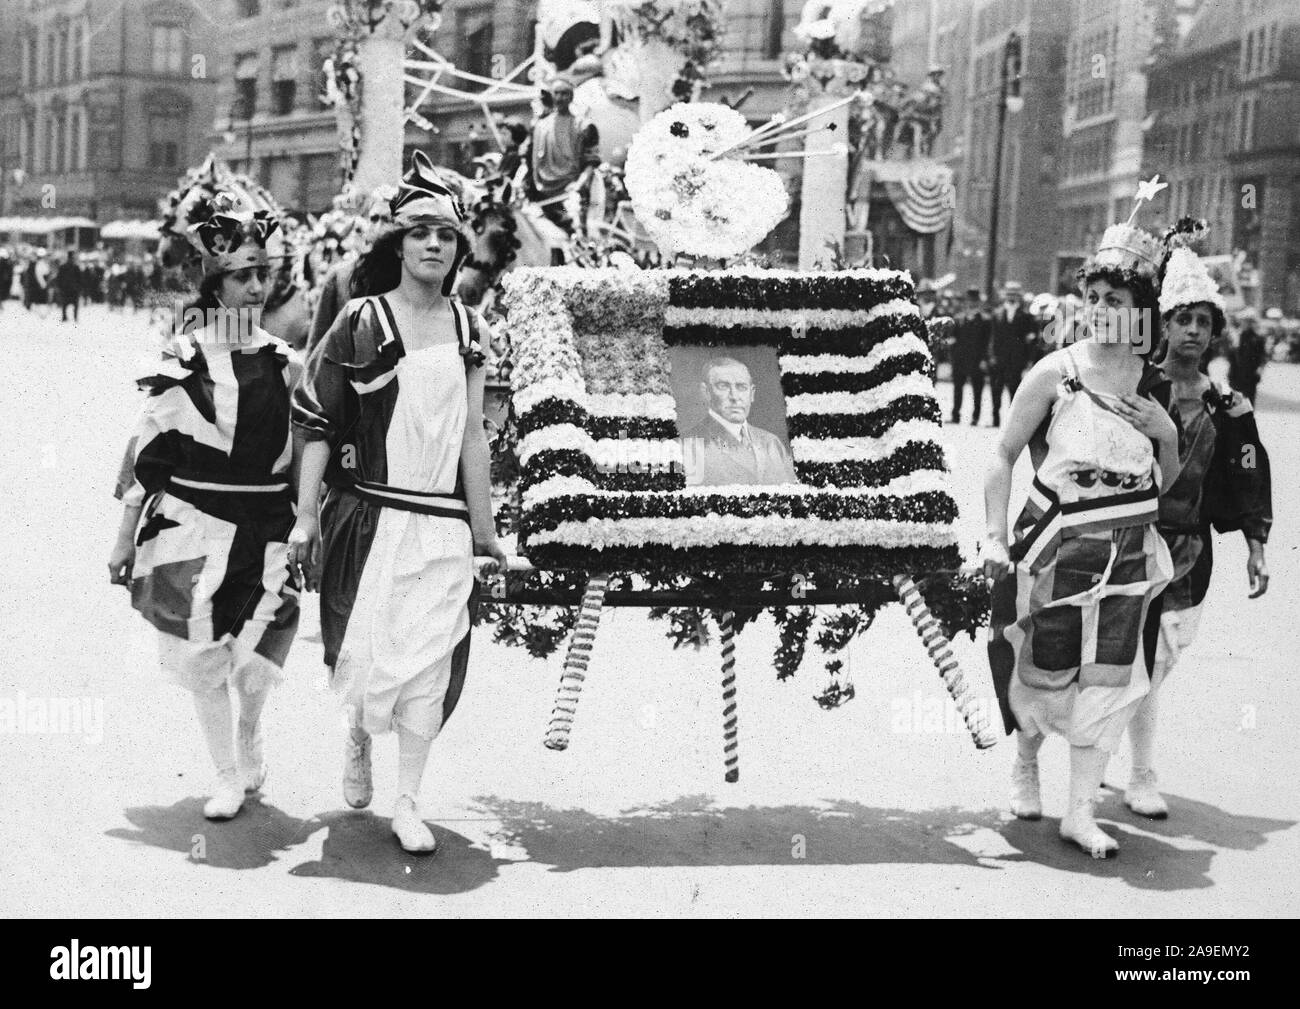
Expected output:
(44, 225)
(146, 230)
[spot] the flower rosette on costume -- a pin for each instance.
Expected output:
(690, 189)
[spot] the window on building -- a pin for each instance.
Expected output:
(245, 86)
(249, 8)
(53, 148)
(166, 138)
(76, 65)
(76, 156)
(284, 79)
(1248, 56)
(775, 29)
(26, 58)
(51, 58)
(168, 52)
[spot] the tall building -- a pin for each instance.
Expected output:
(271, 122)
(103, 103)
(968, 39)
(1225, 103)
(1111, 44)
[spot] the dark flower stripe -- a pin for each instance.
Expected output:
(795, 383)
(667, 562)
(911, 458)
(863, 425)
(926, 506)
(657, 480)
(557, 462)
(848, 340)
(553, 411)
(571, 462)
(825, 291)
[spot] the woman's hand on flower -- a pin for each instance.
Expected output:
(304, 552)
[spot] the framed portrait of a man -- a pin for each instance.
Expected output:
(731, 416)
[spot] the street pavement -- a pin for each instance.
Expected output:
(881, 808)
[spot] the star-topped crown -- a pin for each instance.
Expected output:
(423, 199)
(1129, 248)
(230, 240)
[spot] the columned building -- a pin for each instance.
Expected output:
(1225, 102)
(103, 104)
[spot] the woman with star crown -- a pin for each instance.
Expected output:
(1072, 590)
(208, 506)
(390, 418)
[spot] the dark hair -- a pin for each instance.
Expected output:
(379, 270)
(206, 300)
(1142, 287)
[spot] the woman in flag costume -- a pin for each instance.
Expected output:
(389, 414)
(208, 505)
(1224, 483)
(1072, 589)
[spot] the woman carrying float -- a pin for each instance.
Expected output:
(1073, 587)
(208, 506)
(390, 416)
(1224, 482)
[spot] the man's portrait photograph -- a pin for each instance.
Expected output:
(731, 416)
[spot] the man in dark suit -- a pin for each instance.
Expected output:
(725, 448)
(970, 348)
(1013, 330)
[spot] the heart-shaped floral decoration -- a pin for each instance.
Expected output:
(690, 189)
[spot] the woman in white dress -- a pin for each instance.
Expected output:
(390, 417)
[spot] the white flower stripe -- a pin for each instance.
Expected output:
(555, 437)
(865, 449)
(656, 406)
(607, 453)
(766, 530)
(784, 318)
(838, 364)
(867, 401)
(568, 389)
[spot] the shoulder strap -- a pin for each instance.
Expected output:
(464, 323)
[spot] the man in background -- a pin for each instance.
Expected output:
(970, 348)
(6, 276)
(562, 148)
(1246, 359)
(67, 287)
(1013, 330)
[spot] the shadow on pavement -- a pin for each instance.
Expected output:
(251, 840)
(360, 848)
(690, 831)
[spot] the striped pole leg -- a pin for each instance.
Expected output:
(972, 713)
(575, 662)
(730, 748)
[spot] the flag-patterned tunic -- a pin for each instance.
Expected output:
(397, 576)
(1225, 483)
(209, 464)
(1066, 625)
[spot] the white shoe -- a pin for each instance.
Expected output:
(227, 797)
(1025, 801)
(412, 834)
(358, 785)
(1079, 827)
(248, 753)
(1142, 796)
